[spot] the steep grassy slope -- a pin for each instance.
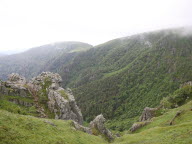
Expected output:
(20, 129)
(5, 104)
(36, 60)
(160, 132)
(121, 77)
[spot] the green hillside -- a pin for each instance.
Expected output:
(121, 77)
(19, 129)
(159, 131)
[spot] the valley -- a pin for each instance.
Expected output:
(62, 83)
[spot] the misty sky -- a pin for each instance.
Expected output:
(28, 23)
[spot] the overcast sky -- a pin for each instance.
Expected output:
(28, 23)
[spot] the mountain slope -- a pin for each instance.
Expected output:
(121, 77)
(35, 60)
(19, 129)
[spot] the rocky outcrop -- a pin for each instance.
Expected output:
(61, 102)
(138, 125)
(144, 119)
(81, 128)
(97, 126)
(148, 113)
(15, 86)
(44, 89)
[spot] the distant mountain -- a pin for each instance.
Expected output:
(35, 60)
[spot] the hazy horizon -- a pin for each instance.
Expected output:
(26, 24)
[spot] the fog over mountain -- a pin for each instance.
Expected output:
(25, 24)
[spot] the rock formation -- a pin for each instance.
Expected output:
(81, 128)
(44, 90)
(148, 113)
(138, 125)
(61, 102)
(15, 86)
(145, 118)
(49, 97)
(97, 126)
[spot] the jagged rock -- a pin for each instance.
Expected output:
(16, 86)
(60, 101)
(14, 77)
(81, 128)
(136, 126)
(97, 126)
(148, 113)
(64, 108)
(54, 78)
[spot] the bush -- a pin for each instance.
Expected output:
(178, 98)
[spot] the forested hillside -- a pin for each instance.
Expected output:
(121, 77)
(118, 78)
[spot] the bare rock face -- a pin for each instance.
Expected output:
(81, 128)
(63, 105)
(14, 77)
(61, 102)
(15, 86)
(97, 126)
(148, 113)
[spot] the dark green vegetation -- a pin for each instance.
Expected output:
(178, 98)
(36, 60)
(17, 128)
(121, 77)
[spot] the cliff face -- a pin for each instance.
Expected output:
(48, 97)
